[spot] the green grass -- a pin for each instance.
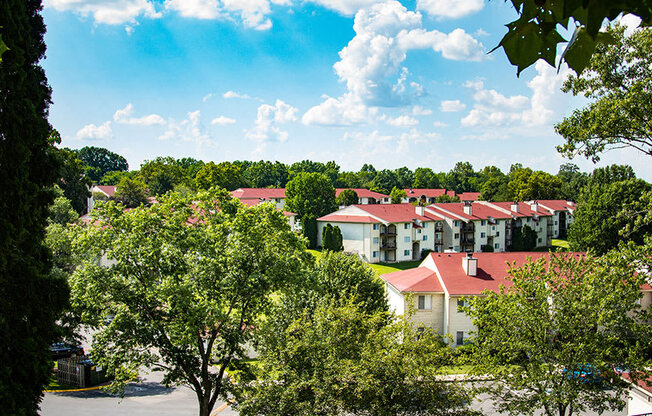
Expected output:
(55, 385)
(560, 243)
(382, 268)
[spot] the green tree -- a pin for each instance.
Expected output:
(618, 82)
(72, 179)
(113, 178)
(190, 166)
(384, 181)
(262, 174)
(310, 193)
(535, 34)
(347, 197)
(461, 178)
(327, 237)
(367, 174)
(131, 192)
(526, 184)
(330, 169)
(224, 175)
(397, 195)
(404, 177)
(561, 317)
(102, 161)
(425, 178)
(309, 229)
(31, 298)
(600, 216)
(162, 174)
(338, 241)
(349, 180)
(572, 181)
(61, 211)
(192, 279)
(524, 239)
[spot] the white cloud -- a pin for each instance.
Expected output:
(222, 120)
(233, 94)
(91, 131)
(198, 9)
(265, 127)
(207, 97)
(123, 116)
(371, 64)
(344, 111)
(371, 138)
(413, 136)
(439, 124)
(402, 121)
(450, 106)
(450, 8)
(346, 7)
(111, 12)
(187, 130)
(420, 111)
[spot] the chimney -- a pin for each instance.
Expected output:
(514, 206)
(468, 209)
(470, 264)
(420, 210)
(535, 206)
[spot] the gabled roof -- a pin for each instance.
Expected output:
(524, 209)
(254, 202)
(387, 213)
(107, 189)
(478, 211)
(362, 193)
(557, 204)
(427, 192)
(469, 196)
(257, 193)
(419, 279)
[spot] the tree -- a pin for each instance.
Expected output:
(162, 174)
(131, 192)
(385, 180)
(113, 178)
(397, 195)
(61, 211)
(562, 317)
(461, 178)
(524, 239)
(224, 175)
(534, 35)
(102, 160)
(31, 298)
(332, 238)
(599, 217)
(572, 181)
(425, 178)
(191, 281)
(347, 197)
(619, 84)
(310, 193)
(338, 242)
(72, 178)
(526, 184)
(404, 177)
(309, 229)
(262, 174)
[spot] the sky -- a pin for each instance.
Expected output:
(391, 83)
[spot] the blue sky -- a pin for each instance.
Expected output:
(385, 82)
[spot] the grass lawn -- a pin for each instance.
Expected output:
(382, 268)
(560, 243)
(55, 385)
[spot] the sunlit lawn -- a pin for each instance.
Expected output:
(382, 268)
(560, 243)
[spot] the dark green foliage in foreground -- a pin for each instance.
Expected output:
(30, 298)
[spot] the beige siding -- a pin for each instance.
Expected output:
(431, 318)
(458, 321)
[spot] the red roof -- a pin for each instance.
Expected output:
(394, 212)
(524, 209)
(428, 193)
(491, 273)
(335, 217)
(469, 196)
(362, 193)
(557, 204)
(107, 189)
(257, 193)
(478, 211)
(645, 384)
(419, 279)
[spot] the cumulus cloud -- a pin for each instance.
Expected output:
(371, 65)
(222, 120)
(187, 130)
(266, 124)
(451, 106)
(492, 108)
(124, 116)
(402, 121)
(450, 8)
(91, 131)
(198, 9)
(110, 12)
(343, 111)
(346, 7)
(417, 110)
(233, 94)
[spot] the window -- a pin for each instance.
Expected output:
(438, 223)
(497, 245)
(497, 233)
(483, 235)
(528, 220)
(425, 225)
(457, 248)
(457, 223)
(555, 222)
(457, 235)
(460, 305)
(460, 337)
(539, 239)
(497, 222)
(483, 222)
(424, 302)
(425, 237)
(493, 228)
(375, 240)
(406, 239)
(375, 254)
(419, 231)
(376, 226)
(406, 226)
(406, 252)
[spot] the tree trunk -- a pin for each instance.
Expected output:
(205, 406)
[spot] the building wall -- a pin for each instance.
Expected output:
(494, 232)
(395, 300)
(431, 318)
(356, 238)
(638, 402)
(458, 321)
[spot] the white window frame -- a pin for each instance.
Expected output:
(424, 302)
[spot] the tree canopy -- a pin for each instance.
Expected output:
(561, 318)
(618, 83)
(347, 197)
(310, 193)
(101, 161)
(188, 280)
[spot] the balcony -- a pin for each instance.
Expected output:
(389, 245)
(391, 230)
(439, 228)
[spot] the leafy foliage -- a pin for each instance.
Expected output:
(61, 211)
(347, 197)
(618, 81)
(189, 280)
(332, 238)
(310, 193)
(72, 178)
(224, 175)
(31, 298)
(131, 192)
(561, 317)
(397, 195)
(102, 161)
(534, 35)
(524, 239)
(309, 229)
(162, 174)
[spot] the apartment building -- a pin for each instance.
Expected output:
(365, 196)
(384, 232)
(425, 195)
(531, 214)
(562, 212)
(254, 196)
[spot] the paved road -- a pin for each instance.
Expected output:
(146, 398)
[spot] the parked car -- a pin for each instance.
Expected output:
(65, 350)
(585, 373)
